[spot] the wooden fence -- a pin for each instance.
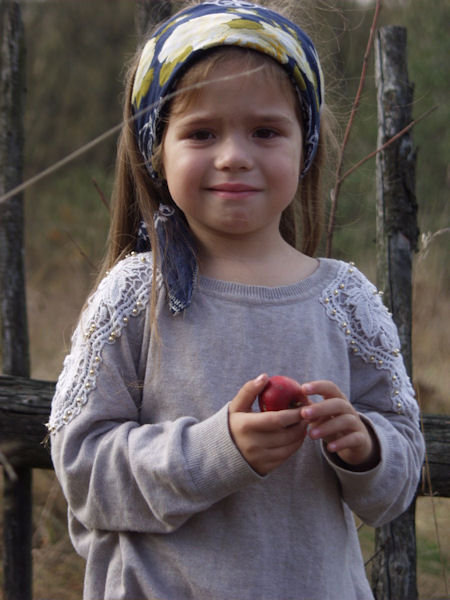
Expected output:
(25, 403)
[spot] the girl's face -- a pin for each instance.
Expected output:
(232, 157)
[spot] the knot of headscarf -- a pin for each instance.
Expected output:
(184, 38)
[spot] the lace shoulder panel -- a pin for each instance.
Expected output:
(123, 294)
(356, 306)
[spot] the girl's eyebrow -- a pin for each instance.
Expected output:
(259, 117)
(274, 118)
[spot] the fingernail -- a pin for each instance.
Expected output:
(306, 388)
(260, 378)
(306, 412)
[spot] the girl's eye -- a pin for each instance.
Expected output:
(265, 133)
(201, 135)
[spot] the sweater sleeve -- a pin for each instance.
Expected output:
(382, 393)
(116, 473)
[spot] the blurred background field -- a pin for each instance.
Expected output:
(76, 53)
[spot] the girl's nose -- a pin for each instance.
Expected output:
(233, 154)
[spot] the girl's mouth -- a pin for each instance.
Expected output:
(233, 190)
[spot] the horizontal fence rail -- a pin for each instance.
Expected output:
(25, 409)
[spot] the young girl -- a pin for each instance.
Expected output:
(178, 487)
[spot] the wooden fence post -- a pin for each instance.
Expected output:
(17, 498)
(394, 567)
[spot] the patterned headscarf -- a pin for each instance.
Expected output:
(178, 42)
(188, 34)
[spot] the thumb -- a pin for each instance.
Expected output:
(244, 399)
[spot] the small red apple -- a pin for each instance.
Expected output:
(280, 393)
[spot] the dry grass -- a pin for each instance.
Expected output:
(433, 547)
(58, 571)
(431, 341)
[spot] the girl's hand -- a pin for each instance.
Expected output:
(266, 439)
(337, 423)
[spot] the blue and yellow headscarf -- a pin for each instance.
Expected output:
(190, 33)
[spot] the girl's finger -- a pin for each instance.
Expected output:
(321, 411)
(275, 421)
(244, 399)
(287, 436)
(322, 387)
(337, 427)
(354, 439)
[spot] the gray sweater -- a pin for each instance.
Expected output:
(162, 505)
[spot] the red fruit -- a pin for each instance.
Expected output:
(280, 393)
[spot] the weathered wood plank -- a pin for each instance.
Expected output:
(17, 494)
(436, 470)
(397, 230)
(24, 411)
(394, 567)
(13, 317)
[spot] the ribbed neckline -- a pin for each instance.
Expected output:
(303, 289)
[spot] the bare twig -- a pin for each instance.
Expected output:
(386, 144)
(427, 238)
(80, 250)
(42, 519)
(380, 549)
(336, 189)
(12, 475)
(101, 194)
(60, 163)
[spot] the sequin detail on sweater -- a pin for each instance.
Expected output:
(123, 294)
(366, 323)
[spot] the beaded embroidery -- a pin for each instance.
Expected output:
(122, 294)
(357, 308)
